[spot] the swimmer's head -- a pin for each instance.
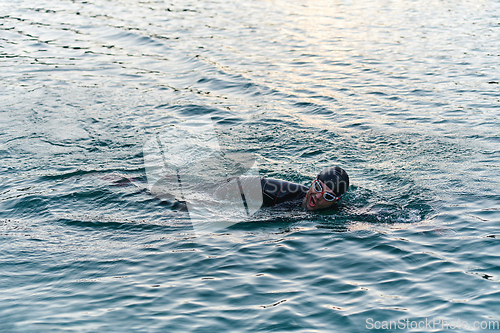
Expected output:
(336, 179)
(326, 189)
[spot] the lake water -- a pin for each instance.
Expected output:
(404, 95)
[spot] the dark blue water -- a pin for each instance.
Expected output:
(403, 95)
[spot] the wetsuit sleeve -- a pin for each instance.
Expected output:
(275, 191)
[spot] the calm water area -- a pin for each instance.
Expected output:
(404, 95)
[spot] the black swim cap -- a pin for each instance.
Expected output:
(336, 179)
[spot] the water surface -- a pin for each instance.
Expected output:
(403, 95)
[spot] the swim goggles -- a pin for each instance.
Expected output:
(326, 195)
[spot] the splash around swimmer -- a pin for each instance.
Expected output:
(186, 166)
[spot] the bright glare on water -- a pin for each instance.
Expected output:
(404, 95)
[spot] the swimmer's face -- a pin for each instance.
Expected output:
(315, 200)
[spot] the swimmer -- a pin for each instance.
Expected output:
(326, 189)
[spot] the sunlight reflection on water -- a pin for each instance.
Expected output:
(403, 95)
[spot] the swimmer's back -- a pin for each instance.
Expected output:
(276, 191)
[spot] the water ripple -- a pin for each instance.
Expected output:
(402, 95)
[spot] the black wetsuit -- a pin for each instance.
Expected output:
(283, 193)
(275, 192)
